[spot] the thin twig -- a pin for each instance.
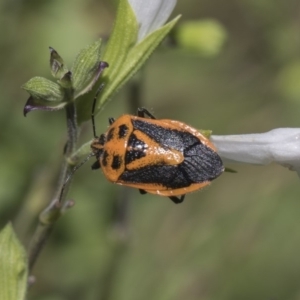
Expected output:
(57, 206)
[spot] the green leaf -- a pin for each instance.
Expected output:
(13, 266)
(124, 56)
(44, 89)
(86, 68)
(57, 65)
(122, 39)
(135, 59)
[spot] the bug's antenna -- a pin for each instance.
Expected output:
(72, 173)
(93, 108)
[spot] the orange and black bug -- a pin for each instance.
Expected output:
(163, 157)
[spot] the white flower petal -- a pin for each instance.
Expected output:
(151, 14)
(280, 145)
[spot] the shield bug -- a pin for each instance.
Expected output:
(158, 156)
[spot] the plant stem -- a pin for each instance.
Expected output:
(56, 206)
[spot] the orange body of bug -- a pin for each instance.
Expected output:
(163, 157)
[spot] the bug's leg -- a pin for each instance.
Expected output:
(96, 165)
(143, 112)
(177, 200)
(111, 121)
(143, 192)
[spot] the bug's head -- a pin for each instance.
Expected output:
(98, 144)
(97, 150)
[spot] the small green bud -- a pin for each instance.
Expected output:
(45, 95)
(205, 37)
(42, 88)
(39, 104)
(57, 65)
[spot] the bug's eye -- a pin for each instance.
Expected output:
(110, 134)
(102, 139)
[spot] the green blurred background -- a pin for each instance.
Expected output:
(238, 239)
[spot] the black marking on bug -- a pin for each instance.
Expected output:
(132, 155)
(135, 143)
(110, 134)
(104, 158)
(165, 175)
(123, 130)
(136, 150)
(168, 138)
(117, 162)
